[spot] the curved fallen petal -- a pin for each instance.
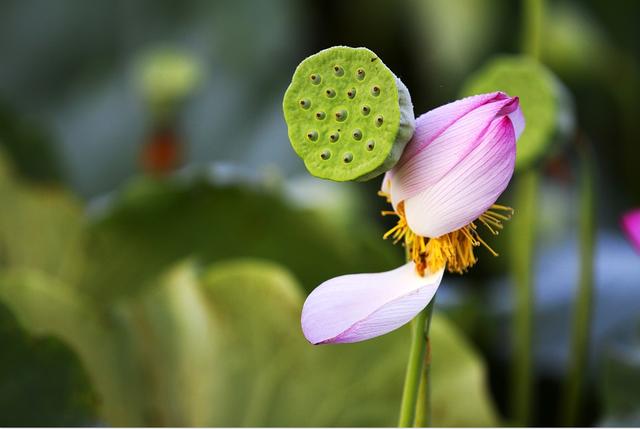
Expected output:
(631, 226)
(357, 307)
(469, 189)
(429, 156)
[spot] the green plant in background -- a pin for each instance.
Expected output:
(549, 111)
(166, 77)
(187, 343)
(349, 116)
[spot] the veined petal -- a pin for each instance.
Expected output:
(436, 121)
(427, 161)
(469, 189)
(631, 225)
(357, 307)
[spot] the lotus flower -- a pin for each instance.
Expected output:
(631, 225)
(445, 185)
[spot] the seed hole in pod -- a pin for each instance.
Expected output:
(305, 103)
(375, 90)
(341, 115)
(379, 120)
(334, 136)
(315, 78)
(312, 135)
(365, 110)
(320, 115)
(357, 134)
(370, 145)
(360, 74)
(337, 70)
(347, 157)
(330, 92)
(325, 154)
(351, 93)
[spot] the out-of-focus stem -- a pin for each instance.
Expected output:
(533, 18)
(579, 352)
(523, 251)
(423, 405)
(523, 247)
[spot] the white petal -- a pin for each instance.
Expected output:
(357, 307)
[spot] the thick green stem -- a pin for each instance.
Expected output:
(523, 247)
(412, 381)
(533, 11)
(423, 405)
(523, 251)
(579, 352)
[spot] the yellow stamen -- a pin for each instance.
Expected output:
(453, 250)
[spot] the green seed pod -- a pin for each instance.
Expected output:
(546, 104)
(359, 113)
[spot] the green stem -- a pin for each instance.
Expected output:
(533, 17)
(413, 377)
(523, 249)
(579, 352)
(423, 405)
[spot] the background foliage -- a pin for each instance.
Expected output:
(158, 234)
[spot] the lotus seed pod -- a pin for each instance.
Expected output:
(166, 78)
(349, 116)
(546, 104)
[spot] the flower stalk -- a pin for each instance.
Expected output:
(423, 406)
(414, 403)
(533, 18)
(523, 249)
(415, 364)
(579, 352)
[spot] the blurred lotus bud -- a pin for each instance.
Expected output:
(631, 225)
(349, 116)
(545, 102)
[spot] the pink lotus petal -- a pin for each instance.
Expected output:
(357, 307)
(436, 121)
(631, 226)
(470, 188)
(425, 166)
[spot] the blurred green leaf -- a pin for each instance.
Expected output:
(154, 224)
(449, 51)
(41, 227)
(22, 139)
(225, 348)
(279, 379)
(574, 44)
(282, 380)
(545, 103)
(46, 308)
(619, 382)
(41, 380)
(173, 341)
(460, 392)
